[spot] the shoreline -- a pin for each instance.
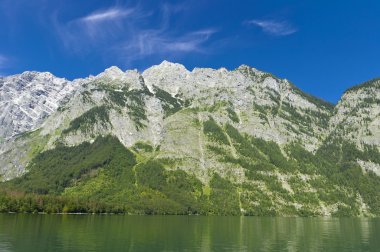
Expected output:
(188, 215)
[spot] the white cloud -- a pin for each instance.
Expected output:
(274, 27)
(96, 29)
(161, 42)
(106, 15)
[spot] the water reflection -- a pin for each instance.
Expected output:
(186, 233)
(5, 245)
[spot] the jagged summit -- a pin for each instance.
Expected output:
(201, 85)
(28, 98)
(32, 74)
(166, 66)
(112, 73)
(113, 70)
(245, 67)
(166, 63)
(167, 75)
(33, 77)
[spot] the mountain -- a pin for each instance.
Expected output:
(28, 98)
(357, 120)
(174, 141)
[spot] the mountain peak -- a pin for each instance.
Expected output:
(247, 69)
(112, 72)
(113, 69)
(29, 75)
(166, 75)
(170, 65)
(243, 67)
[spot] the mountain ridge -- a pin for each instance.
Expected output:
(244, 133)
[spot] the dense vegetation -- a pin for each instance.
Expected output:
(232, 115)
(106, 177)
(170, 104)
(87, 120)
(333, 171)
(103, 177)
(52, 171)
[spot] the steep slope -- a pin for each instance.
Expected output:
(260, 103)
(169, 140)
(28, 98)
(357, 114)
(356, 121)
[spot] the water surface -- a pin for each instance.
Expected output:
(185, 233)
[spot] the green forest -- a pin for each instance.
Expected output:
(106, 177)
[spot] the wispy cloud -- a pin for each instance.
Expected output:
(161, 42)
(274, 27)
(96, 28)
(132, 33)
(106, 15)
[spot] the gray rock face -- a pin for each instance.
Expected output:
(356, 119)
(267, 107)
(357, 115)
(29, 98)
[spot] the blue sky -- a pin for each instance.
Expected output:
(323, 47)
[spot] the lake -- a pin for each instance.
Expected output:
(31, 233)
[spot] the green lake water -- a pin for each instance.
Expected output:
(185, 233)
